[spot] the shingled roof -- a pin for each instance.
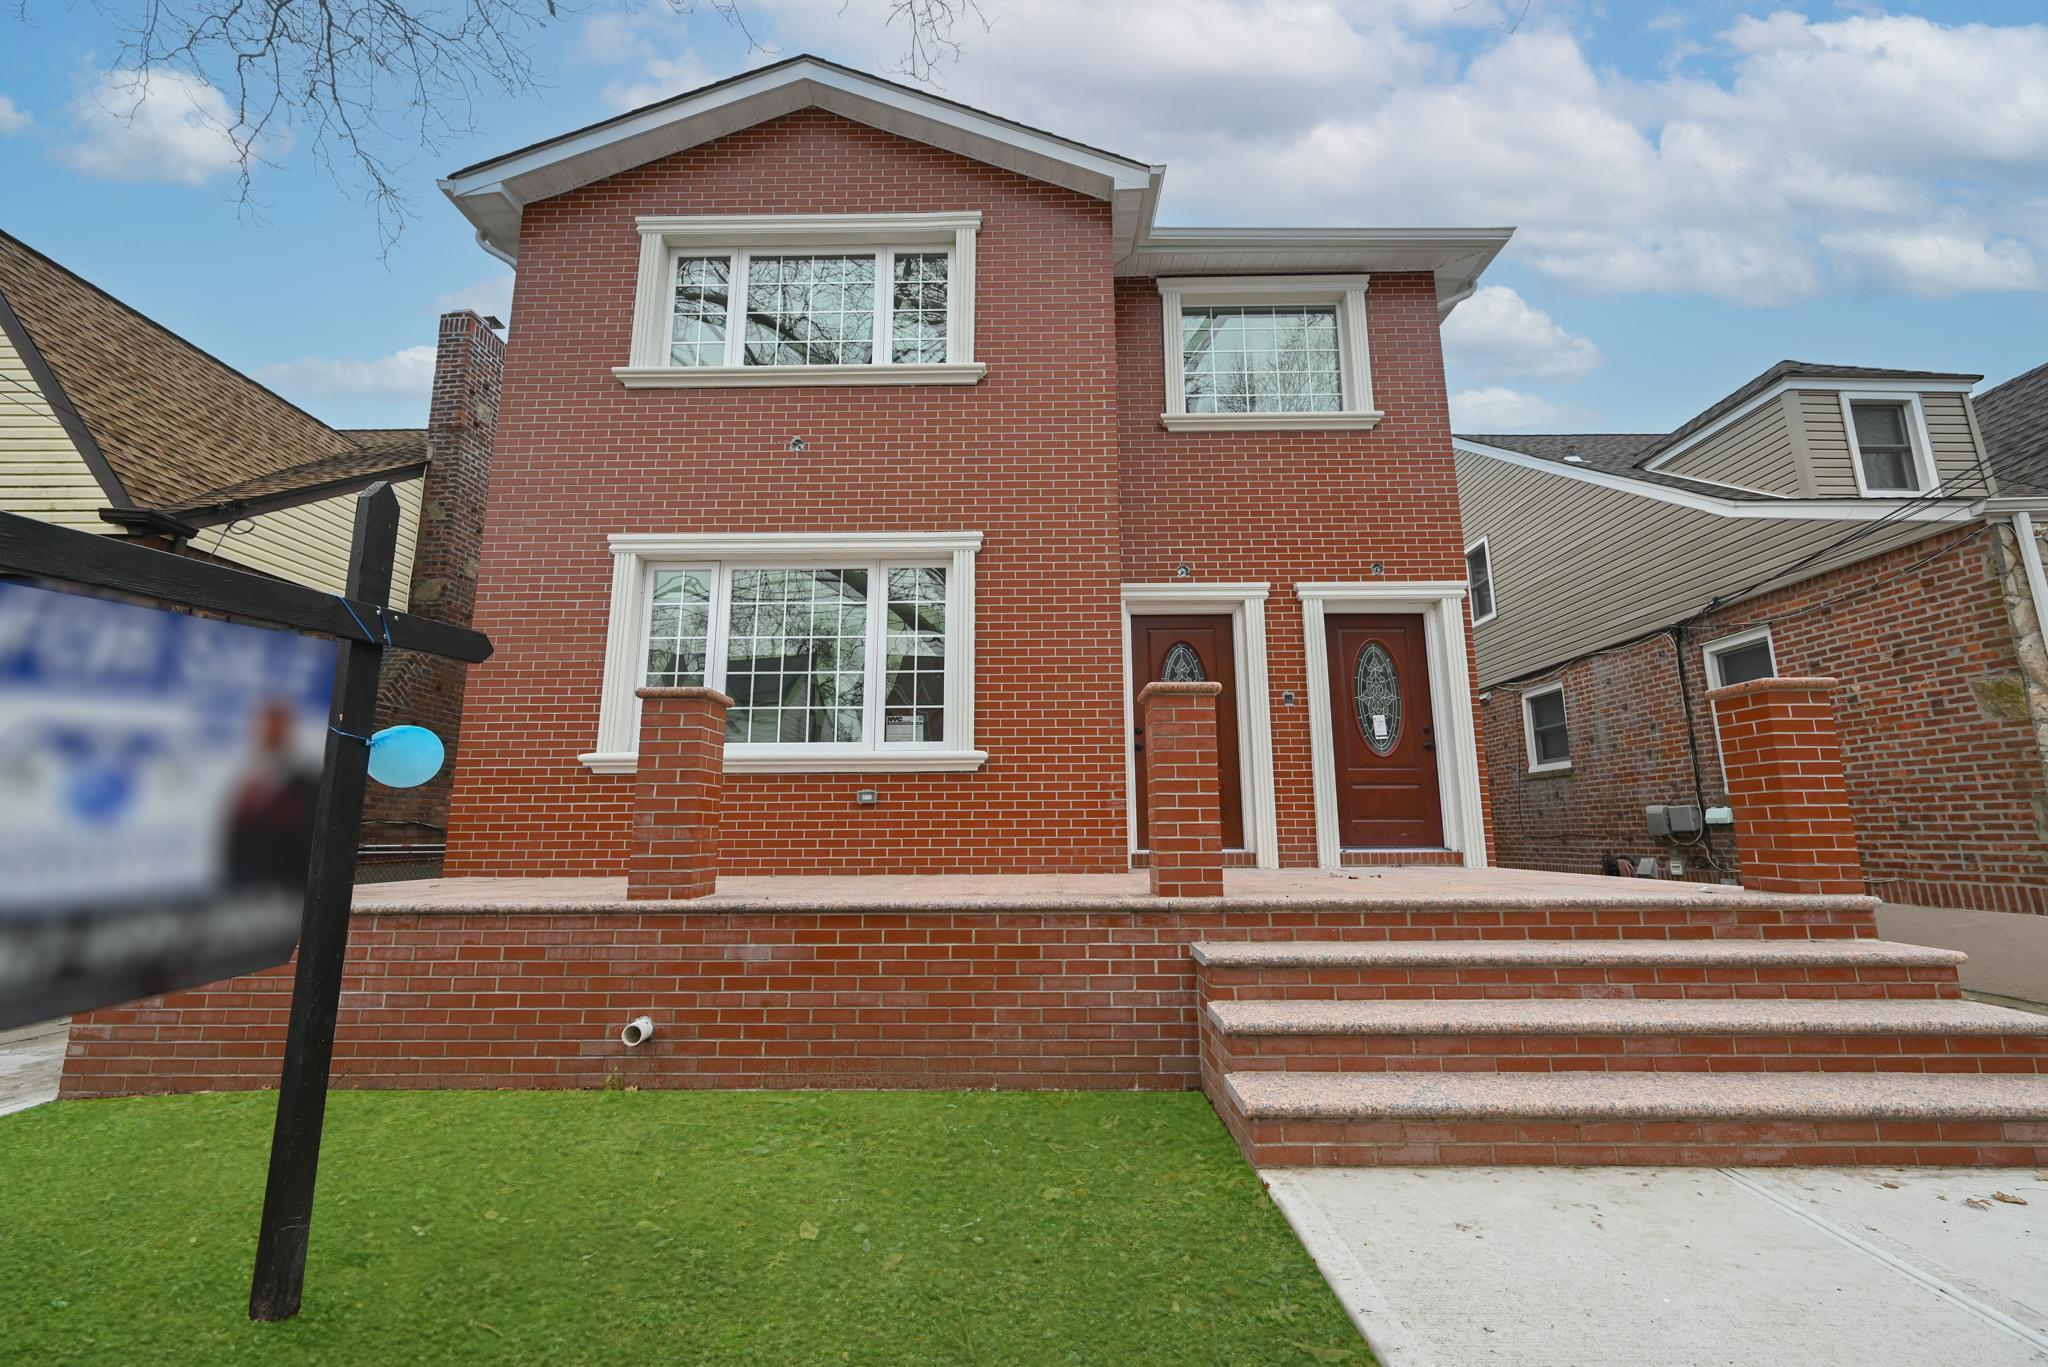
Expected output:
(164, 425)
(2014, 420)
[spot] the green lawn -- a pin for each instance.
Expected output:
(662, 1227)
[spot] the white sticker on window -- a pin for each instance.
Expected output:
(1379, 726)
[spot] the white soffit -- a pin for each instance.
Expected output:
(492, 194)
(1456, 256)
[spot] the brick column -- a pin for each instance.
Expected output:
(677, 791)
(1783, 761)
(1183, 809)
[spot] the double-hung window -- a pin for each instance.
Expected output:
(1479, 575)
(1266, 352)
(1543, 722)
(821, 299)
(1888, 443)
(840, 652)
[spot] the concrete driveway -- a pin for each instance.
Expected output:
(1675, 1267)
(31, 1057)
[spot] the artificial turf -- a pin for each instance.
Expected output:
(812, 1227)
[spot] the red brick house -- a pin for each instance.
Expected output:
(910, 429)
(1871, 526)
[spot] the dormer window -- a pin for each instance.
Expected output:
(1280, 353)
(805, 300)
(1888, 444)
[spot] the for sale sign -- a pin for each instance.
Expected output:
(158, 774)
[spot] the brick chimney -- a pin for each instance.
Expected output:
(469, 368)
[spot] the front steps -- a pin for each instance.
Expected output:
(1719, 1050)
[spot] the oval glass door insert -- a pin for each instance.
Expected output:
(1376, 693)
(1182, 665)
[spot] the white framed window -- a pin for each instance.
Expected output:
(1272, 353)
(1479, 575)
(1740, 658)
(804, 300)
(1545, 726)
(848, 652)
(1888, 444)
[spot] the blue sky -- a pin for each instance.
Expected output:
(1701, 188)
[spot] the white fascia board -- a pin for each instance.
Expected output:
(1812, 509)
(1455, 256)
(1819, 385)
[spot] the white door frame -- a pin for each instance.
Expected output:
(1245, 604)
(1441, 604)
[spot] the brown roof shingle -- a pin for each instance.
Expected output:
(175, 425)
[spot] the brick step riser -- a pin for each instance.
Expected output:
(1877, 983)
(1687, 1142)
(1972, 1054)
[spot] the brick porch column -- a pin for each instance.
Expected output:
(676, 793)
(1783, 760)
(1183, 809)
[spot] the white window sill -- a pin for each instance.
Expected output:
(1269, 422)
(864, 762)
(764, 376)
(1564, 768)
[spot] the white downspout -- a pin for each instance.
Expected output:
(2030, 556)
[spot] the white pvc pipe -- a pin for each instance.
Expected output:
(638, 1031)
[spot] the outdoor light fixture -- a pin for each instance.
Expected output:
(867, 797)
(797, 443)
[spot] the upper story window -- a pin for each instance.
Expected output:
(846, 651)
(1479, 575)
(1543, 724)
(1266, 352)
(1888, 444)
(805, 300)
(1740, 658)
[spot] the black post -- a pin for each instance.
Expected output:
(323, 934)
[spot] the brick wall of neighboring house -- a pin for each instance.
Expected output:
(1028, 457)
(1294, 507)
(469, 367)
(1945, 779)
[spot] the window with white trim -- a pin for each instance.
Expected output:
(1266, 352)
(1888, 444)
(1740, 658)
(805, 299)
(1479, 575)
(849, 651)
(1544, 725)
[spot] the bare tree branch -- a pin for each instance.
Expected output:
(361, 82)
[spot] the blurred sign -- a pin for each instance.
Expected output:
(158, 774)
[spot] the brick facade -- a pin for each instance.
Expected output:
(1183, 820)
(1945, 779)
(1057, 457)
(1781, 756)
(423, 690)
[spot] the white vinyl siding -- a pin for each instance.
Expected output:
(42, 475)
(1753, 453)
(309, 544)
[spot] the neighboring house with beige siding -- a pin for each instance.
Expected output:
(1820, 520)
(111, 423)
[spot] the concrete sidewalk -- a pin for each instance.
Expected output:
(31, 1057)
(1681, 1267)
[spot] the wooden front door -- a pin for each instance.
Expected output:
(1383, 737)
(1192, 650)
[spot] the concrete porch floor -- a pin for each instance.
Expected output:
(1245, 889)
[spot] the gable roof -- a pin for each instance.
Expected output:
(494, 193)
(2013, 418)
(1635, 456)
(164, 425)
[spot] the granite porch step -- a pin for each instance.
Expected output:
(1722, 967)
(1282, 1119)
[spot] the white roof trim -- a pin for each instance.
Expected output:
(1816, 383)
(1781, 509)
(1455, 256)
(493, 193)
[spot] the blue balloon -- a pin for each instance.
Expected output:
(405, 756)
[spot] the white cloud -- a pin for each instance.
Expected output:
(492, 298)
(13, 118)
(1500, 335)
(1822, 154)
(407, 374)
(165, 127)
(1494, 409)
